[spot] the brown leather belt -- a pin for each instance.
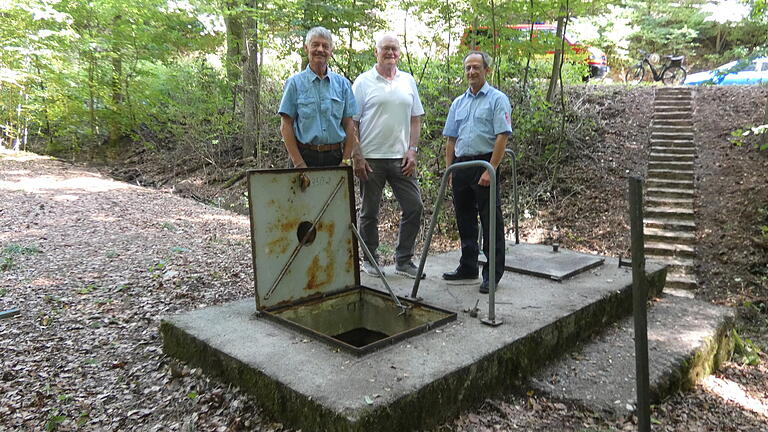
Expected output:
(320, 148)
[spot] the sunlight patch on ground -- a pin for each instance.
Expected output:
(19, 155)
(44, 282)
(236, 219)
(537, 235)
(51, 183)
(65, 198)
(107, 219)
(734, 392)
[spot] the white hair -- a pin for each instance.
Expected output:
(380, 39)
(318, 32)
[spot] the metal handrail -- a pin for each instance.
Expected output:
(514, 191)
(491, 235)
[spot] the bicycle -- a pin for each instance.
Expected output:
(671, 73)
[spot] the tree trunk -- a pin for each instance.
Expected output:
(115, 131)
(557, 62)
(251, 93)
(234, 29)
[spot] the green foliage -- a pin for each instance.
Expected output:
(17, 249)
(9, 252)
(740, 136)
(745, 351)
(53, 422)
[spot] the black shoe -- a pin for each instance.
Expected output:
(460, 274)
(484, 287)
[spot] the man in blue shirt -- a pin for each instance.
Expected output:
(317, 108)
(477, 128)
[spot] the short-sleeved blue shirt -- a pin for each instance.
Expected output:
(475, 120)
(317, 106)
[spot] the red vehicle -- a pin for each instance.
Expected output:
(593, 57)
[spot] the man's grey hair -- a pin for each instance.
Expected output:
(487, 60)
(318, 32)
(381, 38)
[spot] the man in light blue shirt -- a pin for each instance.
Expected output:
(317, 108)
(477, 128)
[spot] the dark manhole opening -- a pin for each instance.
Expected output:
(306, 229)
(361, 336)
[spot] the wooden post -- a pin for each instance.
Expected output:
(639, 301)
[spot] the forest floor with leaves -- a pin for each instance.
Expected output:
(93, 264)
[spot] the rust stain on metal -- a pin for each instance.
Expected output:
(319, 275)
(327, 227)
(278, 246)
(286, 226)
(350, 264)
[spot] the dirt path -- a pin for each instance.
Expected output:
(93, 264)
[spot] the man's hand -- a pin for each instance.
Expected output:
(485, 179)
(408, 164)
(361, 167)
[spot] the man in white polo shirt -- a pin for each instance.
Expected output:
(389, 124)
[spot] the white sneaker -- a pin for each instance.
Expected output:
(370, 269)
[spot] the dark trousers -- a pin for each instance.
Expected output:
(471, 200)
(408, 195)
(314, 158)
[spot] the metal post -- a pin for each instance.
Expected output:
(369, 255)
(491, 320)
(639, 299)
(512, 154)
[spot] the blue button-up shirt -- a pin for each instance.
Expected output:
(475, 120)
(317, 106)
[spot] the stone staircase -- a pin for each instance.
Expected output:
(670, 228)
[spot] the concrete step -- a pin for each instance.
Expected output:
(664, 99)
(671, 128)
(661, 155)
(681, 282)
(675, 90)
(672, 149)
(668, 183)
(673, 106)
(670, 212)
(671, 146)
(666, 107)
(671, 165)
(670, 249)
(669, 223)
(674, 101)
(671, 174)
(687, 339)
(671, 136)
(675, 265)
(672, 122)
(657, 201)
(661, 235)
(672, 115)
(661, 192)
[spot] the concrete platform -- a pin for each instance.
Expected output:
(416, 383)
(687, 340)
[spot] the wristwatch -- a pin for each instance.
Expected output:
(348, 162)
(414, 148)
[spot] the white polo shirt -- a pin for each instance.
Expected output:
(386, 108)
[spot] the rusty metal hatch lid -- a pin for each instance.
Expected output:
(284, 206)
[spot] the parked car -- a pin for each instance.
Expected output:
(756, 72)
(594, 57)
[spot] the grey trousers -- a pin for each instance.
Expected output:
(408, 195)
